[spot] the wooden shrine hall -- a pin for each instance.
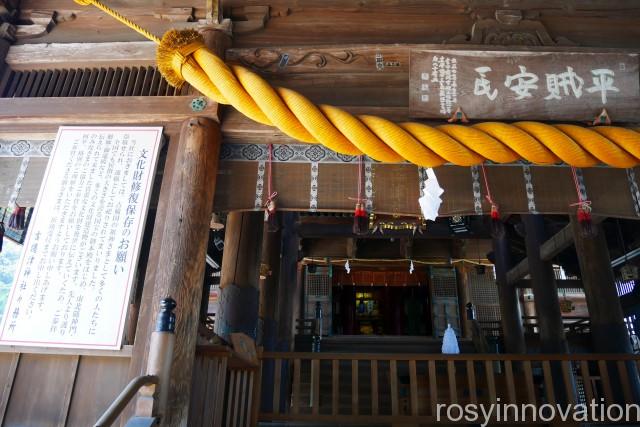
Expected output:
(319, 212)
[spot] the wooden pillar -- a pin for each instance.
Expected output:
(462, 281)
(608, 331)
(268, 329)
(239, 280)
(271, 249)
(288, 281)
(512, 329)
(179, 243)
(545, 290)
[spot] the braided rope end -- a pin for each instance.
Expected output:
(169, 57)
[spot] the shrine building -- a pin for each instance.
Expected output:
(319, 212)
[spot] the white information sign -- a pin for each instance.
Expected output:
(78, 263)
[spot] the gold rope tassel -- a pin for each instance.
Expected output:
(182, 56)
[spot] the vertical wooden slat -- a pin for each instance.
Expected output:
(124, 81)
(44, 84)
(63, 89)
(140, 79)
(249, 399)
(106, 83)
(221, 386)
(354, 387)
(453, 391)
(244, 396)
(548, 382)
(53, 82)
(97, 88)
(296, 386)
(471, 377)
(393, 382)
(155, 82)
(131, 81)
(15, 91)
(27, 85)
(511, 389)
(62, 78)
(75, 83)
(209, 376)
(567, 378)
(115, 82)
(606, 383)
(433, 386)
(15, 81)
(89, 82)
(236, 399)
(162, 87)
(586, 381)
(37, 82)
(277, 379)
(413, 385)
(68, 392)
(623, 372)
(491, 381)
(7, 76)
(256, 391)
(315, 386)
(8, 385)
(528, 378)
(374, 387)
(335, 387)
(229, 406)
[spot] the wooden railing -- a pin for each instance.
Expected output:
(379, 388)
(225, 389)
(572, 325)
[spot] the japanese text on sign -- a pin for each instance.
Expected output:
(79, 259)
(533, 85)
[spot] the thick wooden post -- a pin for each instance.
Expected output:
(288, 281)
(179, 245)
(608, 331)
(271, 249)
(545, 290)
(268, 330)
(512, 329)
(239, 281)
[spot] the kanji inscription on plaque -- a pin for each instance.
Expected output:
(523, 85)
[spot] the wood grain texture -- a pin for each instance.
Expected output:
(181, 258)
(103, 110)
(36, 402)
(517, 85)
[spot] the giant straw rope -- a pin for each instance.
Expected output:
(182, 56)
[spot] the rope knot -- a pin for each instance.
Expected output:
(174, 50)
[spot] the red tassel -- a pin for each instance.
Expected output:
(270, 217)
(360, 220)
(497, 228)
(584, 219)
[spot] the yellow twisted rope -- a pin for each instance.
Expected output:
(182, 56)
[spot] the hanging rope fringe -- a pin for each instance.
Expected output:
(270, 217)
(182, 56)
(583, 207)
(360, 217)
(496, 224)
